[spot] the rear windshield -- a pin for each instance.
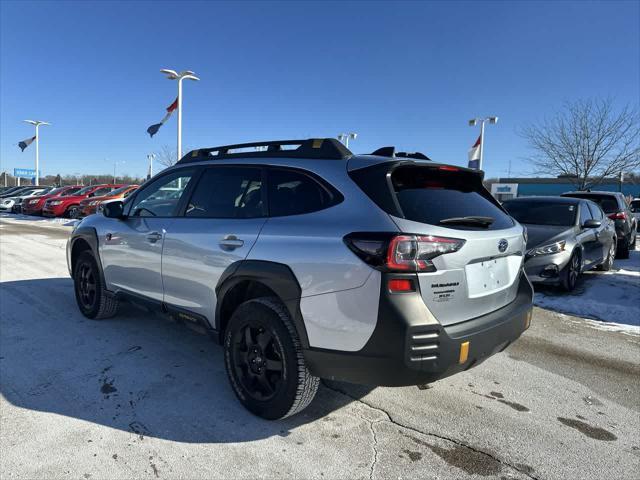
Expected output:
(608, 203)
(542, 213)
(443, 196)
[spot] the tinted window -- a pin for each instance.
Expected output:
(585, 213)
(161, 197)
(71, 191)
(542, 213)
(101, 191)
(608, 203)
(294, 193)
(437, 197)
(596, 213)
(635, 205)
(228, 192)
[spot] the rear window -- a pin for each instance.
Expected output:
(608, 203)
(542, 213)
(447, 197)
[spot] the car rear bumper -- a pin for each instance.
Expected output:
(410, 347)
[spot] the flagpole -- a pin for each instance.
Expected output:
(179, 150)
(37, 157)
(472, 123)
(481, 144)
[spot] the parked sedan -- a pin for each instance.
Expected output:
(566, 236)
(635, 209)
(33, 205)
(13, 204)
(90, 205)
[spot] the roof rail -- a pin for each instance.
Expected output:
(391, 152)
(316, 148)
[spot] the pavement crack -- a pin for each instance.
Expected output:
(391, 420)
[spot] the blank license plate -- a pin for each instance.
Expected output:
(487, 277)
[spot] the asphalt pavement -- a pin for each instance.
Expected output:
(141, 396)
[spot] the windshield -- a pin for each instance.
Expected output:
(71, 191)
(119, 191)
(55, 191)
(542, 213)
(85, 190)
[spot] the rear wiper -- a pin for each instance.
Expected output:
(471, 220)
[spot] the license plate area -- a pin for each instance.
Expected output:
(488, 276)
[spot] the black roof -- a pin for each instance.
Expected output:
(545, 199)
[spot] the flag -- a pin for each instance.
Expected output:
(474, 154)
(153, 129)
(25, 143)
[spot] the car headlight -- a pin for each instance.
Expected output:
(33, 202)
(548, 249)
(8, 202)
(56, 202)
(95, 202)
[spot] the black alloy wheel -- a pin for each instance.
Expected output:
(86, 286)
(257, 360)
(572, 272)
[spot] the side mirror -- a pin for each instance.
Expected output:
(592, 224)
(113, 209)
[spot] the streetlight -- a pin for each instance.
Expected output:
(37, 123)
(150, 157)
(473, 123)
(115, 162)
(344, 138)
(173, 75)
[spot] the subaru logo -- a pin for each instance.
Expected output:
(503, 245)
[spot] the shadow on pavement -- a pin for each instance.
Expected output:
(135, 372)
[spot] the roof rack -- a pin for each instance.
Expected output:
(391, 152)
(315, 148)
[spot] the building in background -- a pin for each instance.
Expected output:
(506, 188)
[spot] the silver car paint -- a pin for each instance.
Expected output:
(339, 292)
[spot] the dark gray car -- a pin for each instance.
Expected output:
(566, 236)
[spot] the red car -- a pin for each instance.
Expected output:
(33, 206)
(69, 206)
(90, 205)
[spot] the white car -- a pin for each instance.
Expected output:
(12, 204)
(635, 208)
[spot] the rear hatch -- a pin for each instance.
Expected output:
(443, 205)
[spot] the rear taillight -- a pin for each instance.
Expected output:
(401, 253)
(618, 216)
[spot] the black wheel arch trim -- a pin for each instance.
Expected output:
(90, 236)
(277, 277)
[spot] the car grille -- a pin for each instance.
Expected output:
(423, 344)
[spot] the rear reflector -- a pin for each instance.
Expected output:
(464, 352)
(398, 285)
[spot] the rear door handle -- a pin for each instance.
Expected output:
(153, 237)
(231, 242)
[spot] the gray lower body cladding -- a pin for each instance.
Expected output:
(404, 350)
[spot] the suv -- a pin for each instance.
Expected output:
(13, 203)
(69, 205)
(33, 206)
(617, 209)
(311, 262)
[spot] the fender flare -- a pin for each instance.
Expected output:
(276, 276)
(89, 235)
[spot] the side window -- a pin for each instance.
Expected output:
(228, 192)
(585, 214)
(596, 213)
(294, 193)
(161, 197)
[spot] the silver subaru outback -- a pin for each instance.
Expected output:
(306, 261)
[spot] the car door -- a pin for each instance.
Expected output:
(604, 233)
(131, 250)
(588, 237)
(220, 224)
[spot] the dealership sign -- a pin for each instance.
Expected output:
(24, 172)
(504, 189)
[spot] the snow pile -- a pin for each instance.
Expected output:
(40, 221)
(612, 296)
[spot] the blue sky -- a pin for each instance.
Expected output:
(408, 74)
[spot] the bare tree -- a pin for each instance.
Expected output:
(587, 141)
(166, 156)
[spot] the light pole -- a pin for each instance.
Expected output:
(344, 138)
(150, 156)
(173, 75)
(115, 162)
(37, 123)
(473, 123)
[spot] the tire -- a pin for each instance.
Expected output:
(635, 241)
(623, 249)
(570, 273)
(91, 296)
(72, 211)
(611, 255)
(264, 360)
